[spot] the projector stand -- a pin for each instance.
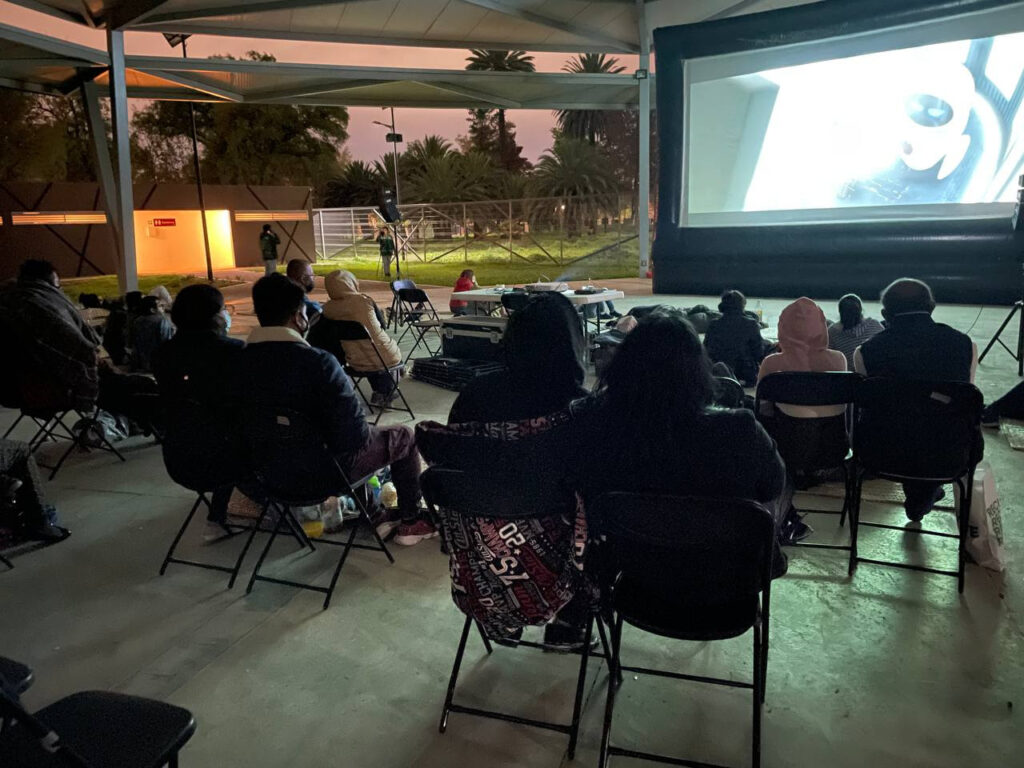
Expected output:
(1018, 306)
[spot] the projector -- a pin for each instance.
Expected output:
(547, 287)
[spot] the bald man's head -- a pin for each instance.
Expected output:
(906, 295)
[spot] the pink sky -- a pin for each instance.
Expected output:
(366, 141)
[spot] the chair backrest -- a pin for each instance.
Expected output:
(919, 429)
(514, 300)
(690, 550)
(807, 444)
(470, 495)
(728, 392)
(289, 457)
(202, 447)
(413, 296)
(350, 330)
(400, 285)
(31, 742)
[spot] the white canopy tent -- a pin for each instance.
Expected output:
(36, 62)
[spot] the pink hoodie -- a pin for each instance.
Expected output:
(803, 339)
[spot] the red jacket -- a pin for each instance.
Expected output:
(462, 284)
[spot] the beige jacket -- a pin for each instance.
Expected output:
(347, 303)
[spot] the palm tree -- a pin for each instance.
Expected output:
(589, 124)
(359, 184)
(481, 60)
(451, 178)
(580, 174)
(420, 150)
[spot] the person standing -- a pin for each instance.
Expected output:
(268, 249)
(387, 250)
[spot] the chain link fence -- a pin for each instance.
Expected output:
(550, 230)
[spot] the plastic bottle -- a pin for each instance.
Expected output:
(374, 484)
(759, 311)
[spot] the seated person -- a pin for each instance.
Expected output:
(150, 329)
(466, 282)
(735, 339)
(24, 513)
(1009, 406)
(197, 364)
(279, 368)
(803, 346)
(347, 303)
(44, 333)
(300, 271)
(853, 329)
(914, 346)
(163, 297)
(660, 433)
(544, 366)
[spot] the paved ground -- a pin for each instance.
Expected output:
(889, 669)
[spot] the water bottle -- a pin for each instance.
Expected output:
(759, 311)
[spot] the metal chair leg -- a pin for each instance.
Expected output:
(364, 517)
(283, 512)
(965, 488)
(756, 696)
(11, 428)
(858, 480)
(485, 639)
(609, 706)
(454, 676)
(181, 532)
(574, 728)
(341, 564)
(248, 543)
(7, 563)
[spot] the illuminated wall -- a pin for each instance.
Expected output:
(172, 241)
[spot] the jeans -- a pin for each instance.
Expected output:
(269, 266)
(386, 261)
(394, 446)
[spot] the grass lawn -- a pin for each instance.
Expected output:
(544, 258)
(105, 286)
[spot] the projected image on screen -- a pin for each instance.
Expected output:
(929, 125)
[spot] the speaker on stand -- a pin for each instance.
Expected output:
(389, 212)
(1018, 306)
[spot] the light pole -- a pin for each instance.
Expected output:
(394, 139)
(174, 40)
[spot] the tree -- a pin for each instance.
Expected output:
(580, 174)
(497, 139)
(32, 146)
(245, 143)
(452, 178)
(359, 184)
(588, 124)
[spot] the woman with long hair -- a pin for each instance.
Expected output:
(655, 409)
(853, 329)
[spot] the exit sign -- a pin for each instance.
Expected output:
(165, 222)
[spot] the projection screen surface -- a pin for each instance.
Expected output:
(929, 131)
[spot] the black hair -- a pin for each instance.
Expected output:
(732, 301)
(657, 384)
(266, 227)
(544, 340)
(466, 273)
(149, 305)
(851, 311)
(907, 295)
(197, 308)
(36, 269)
(276, 298)
(132, 300)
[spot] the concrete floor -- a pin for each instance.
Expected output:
(891, 668)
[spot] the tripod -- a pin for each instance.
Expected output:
(1018, 306)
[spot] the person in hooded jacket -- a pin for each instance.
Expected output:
(735, 338)
(348, 304)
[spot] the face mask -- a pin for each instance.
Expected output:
(227, 320)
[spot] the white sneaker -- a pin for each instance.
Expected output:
(213, 532)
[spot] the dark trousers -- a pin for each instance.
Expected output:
(218, 512)
(919, 494)
(16, 461)
(394, 446)
(382, 382)
(1011, 405)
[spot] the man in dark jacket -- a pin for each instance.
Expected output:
(48, 341)
(278, 367)
(268, 249)
(735, 339)
(914, 346)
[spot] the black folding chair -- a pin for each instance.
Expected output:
(686, 568)
(202, 453)
(809, 445)
(93, 729)
(16, 678)
(454, 493)
(349, 330)
(295, 469)
(420, 318)
(917, 431)
(729, 392)
(395, 317)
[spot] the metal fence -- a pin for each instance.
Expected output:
(553, 230)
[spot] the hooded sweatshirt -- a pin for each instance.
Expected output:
(347, 303)
(803, 339)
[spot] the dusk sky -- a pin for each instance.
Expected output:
(366, 141)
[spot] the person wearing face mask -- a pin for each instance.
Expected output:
(198, 363)
(278, 368)
(300, 271)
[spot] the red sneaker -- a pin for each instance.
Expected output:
(413, 533)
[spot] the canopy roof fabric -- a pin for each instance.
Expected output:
(615, 26)
(33, 62)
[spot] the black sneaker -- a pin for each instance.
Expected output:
(510, 641)
(989, 418)
(915, 514)
(565, 638)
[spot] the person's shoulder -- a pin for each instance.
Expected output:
(952, 332)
